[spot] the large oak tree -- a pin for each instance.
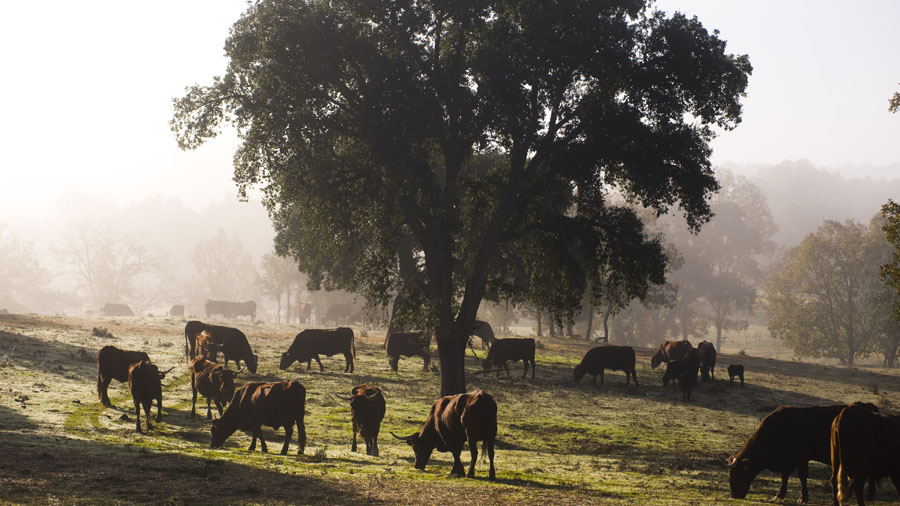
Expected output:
(366, 124)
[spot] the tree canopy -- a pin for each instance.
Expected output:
(367, 126)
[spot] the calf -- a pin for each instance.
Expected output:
(231, 342)
(279, 404)
(214, 381)
(455, 420)
(736, 370)
(864, 445)
(113, 363)
(311, 343)
(706, 353)
(144, 380)
(510, 349)
(616, 358)
(685, 371)
(367, 409)
(407, 344)
(670, 350)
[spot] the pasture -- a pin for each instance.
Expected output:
(558, 442)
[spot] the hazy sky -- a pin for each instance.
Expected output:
(87, 86)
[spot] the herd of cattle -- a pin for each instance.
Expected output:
(856, 440)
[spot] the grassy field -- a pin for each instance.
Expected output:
(558, 443)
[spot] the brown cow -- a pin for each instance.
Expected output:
(407, 344)
(706, 352)
(510, 349)
(455, 420)
(304, 312)
(311, 343)
(144, 381)
(113, 363)
(865, 445)
(367, 409)
(214, 381)
(786, 439)
(616, 358)
(231, 342)
(191, 329)
(279, 404)
(670, 350)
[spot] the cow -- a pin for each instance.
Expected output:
(116, 310)
(864, 445)
(177, 310)
(231, 310)
(455, 420)
(736, 370)
(304, 312)
(706, 352)
(113, 363)
(367, 409)
(144, 381)
(670, 350)
(786, 440)
(311, 343)
(278, 404)
(213, 381)
(231, 342)
(339, 313)
(407, 344)
(191, 329)
(483, 331)
(685, 372)
(510, 349)
(4, 311)
(616, 358)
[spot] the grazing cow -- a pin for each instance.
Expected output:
(670, 350)
(304, 312)
(786, 439)
(483, 331)
(279, 404)
(231, 342)
(685, 372)
(864, 445)
(707, 355)
(338, 314)
(453, 421)
(510, 349)
(116, 310)
(230, 310)
(616, 358)
(177, 310)
(736, 370)
(113, 363)
(311, 343)
(407, 344)
(214, 381)
(144, 381)
(367, 409)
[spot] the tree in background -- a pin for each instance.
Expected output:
(821, 297)
(22, 278)
(363, 123)
(223, 270)
(894, 104)
(279, 277)
(890, 270)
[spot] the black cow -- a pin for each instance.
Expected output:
(707, 354)
(685, 372)
(455, 420)
(616, 358)
(279, 404)
(213, 381)
(230, 310)
(339, 313)
(510, 349)
(736, 370)
(483, 331)
(407, 344)
(116, 310)
(232, 343)
(786, 439)
(113, 363)
(177, 310)
(144, 381)
(311, 343)
(367, 408)
(864, 445)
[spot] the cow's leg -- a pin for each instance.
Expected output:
(601, 377)
(457, 464)
(147, 405)
(353, 444)
(858, 485)
(505, 367)
(348, 362)
(209, 409)
(319, 362)
(473, 450)
(102, 386)
(375, 443)
(158, 409)
(634, 375)
(802, 473)
(782, 492)
(895, 479)
(288, 434)
(532, 369)
(219, 406)
(137, 415)
(870, 495)
(490, 451)
(301, 435)
(309, 364)
(525, 372)
(194, 401)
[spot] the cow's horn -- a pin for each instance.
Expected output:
(239, 370)
(732, 461)
(341, 397)
(163, 374)
(373, 395)
(400, 438)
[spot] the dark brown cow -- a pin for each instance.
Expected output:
(213, 381)
(367, 409)
(865, 445)
(483, 331)
(616, 358)
(113, 363)
(230, 310)
(177, 310)
(455, 420)
(786, 440)
(408, 344)
(706, 352)
(144, 380)
(116, 310)
(231, 342)
(670, 350)
(685, 372)
(736, 370)
(510, 349)
(191, 329)
(339, 314)
(304, 312)
(279, 404)
(311, 343)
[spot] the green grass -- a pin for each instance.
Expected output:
(559, 442)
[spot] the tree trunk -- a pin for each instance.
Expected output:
(570, 326)
(290, 314)
(539, 330)
(719, 326)
(606, 327)
(278, 314)
(590, 322)
(552, 326)
(452, 353)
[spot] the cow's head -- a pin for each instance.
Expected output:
(223, 381)
(286, 360)
(420, 447)
(218, 433)
(655, 360)
(486, 365)
(252, 362)
(739, 476)
(579, 373)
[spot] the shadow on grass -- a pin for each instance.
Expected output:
(54, 357)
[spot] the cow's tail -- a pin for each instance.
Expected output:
(353, 345)
(187, 353)
(842, 492)
(99, 382)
